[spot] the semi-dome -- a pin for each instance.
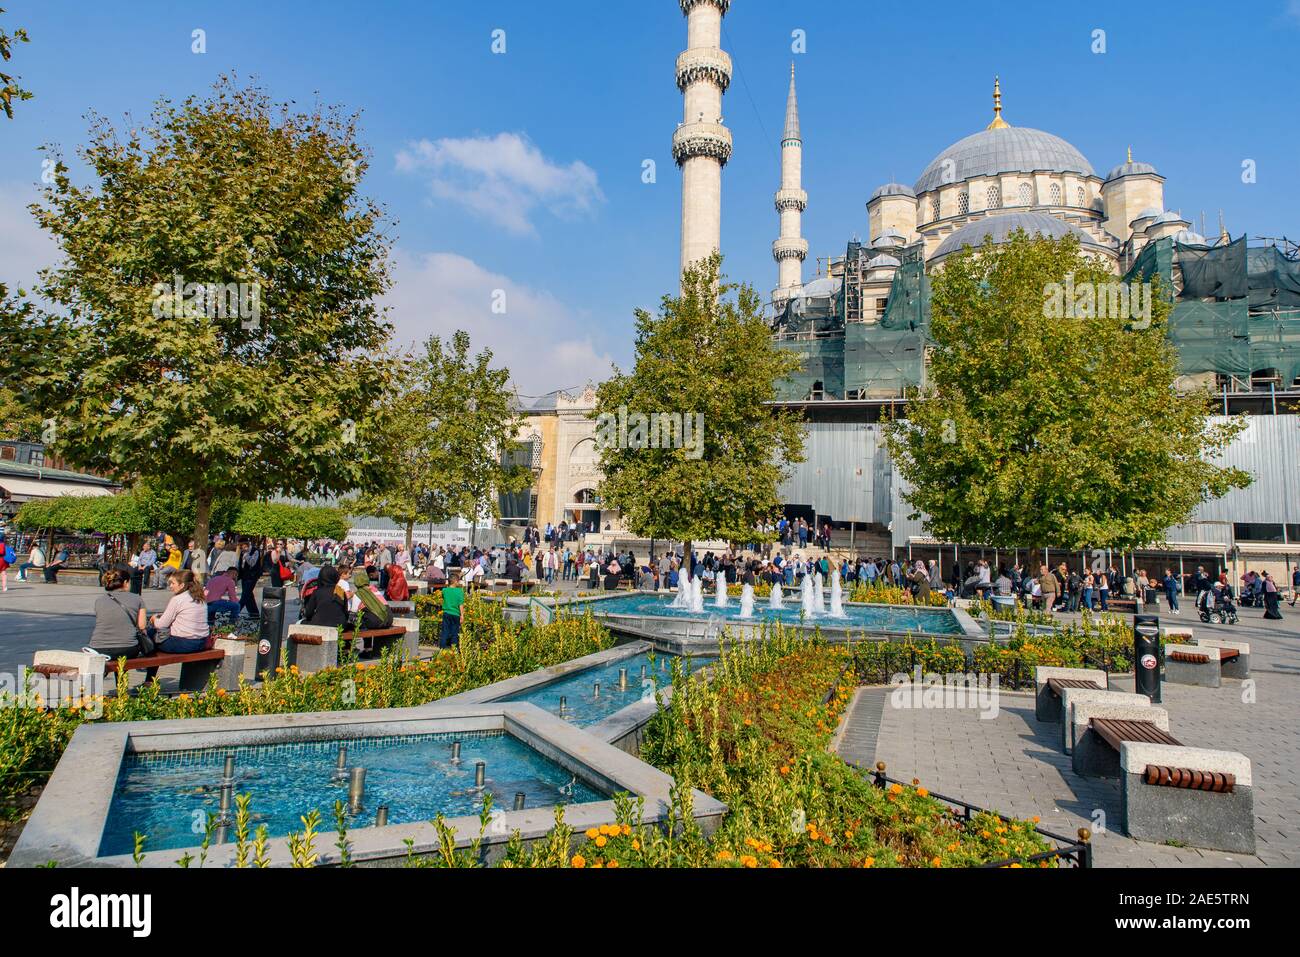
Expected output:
(1151, 212)
(889, 240)
(1002, 226)
(892, 189)
(1004, 149)
(883, 262)
(1186, 237)
(1168, 216)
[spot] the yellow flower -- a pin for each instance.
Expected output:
(627, 829)
(922, 792)
(869, 862)
(937, 863)
(613, 863)
(592, 833)
(578, 861)
(749, 860)
(724, 855)
(602, 841)
(636, 845)
(895, 789)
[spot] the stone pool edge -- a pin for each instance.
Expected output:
(67, 824)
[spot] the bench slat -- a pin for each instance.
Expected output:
(1115, 732)
(159, 661)
(1059, 684)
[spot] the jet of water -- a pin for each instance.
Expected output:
(747, 601)
(775, 600)
(837, 596)
(721, 591)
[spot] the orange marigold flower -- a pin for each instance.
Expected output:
(592, 833)
(578, 861)
(613, 863)
(749, 860)
(785, 769)
(602, 841)
(922, 792)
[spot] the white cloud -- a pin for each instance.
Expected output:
(24, 247)
(539, 338)
(503, 178)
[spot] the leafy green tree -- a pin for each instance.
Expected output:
(18, 419)
(215, 324)
(447, 426)
(709, 358)
(1043, 425)
(9, 88)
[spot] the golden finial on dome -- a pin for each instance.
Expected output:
(998, 122)
(1130, 154)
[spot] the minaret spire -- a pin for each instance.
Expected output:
(791, 248)
(702, 144)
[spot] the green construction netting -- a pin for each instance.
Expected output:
(1211, 336)
(1214, 272)
(1274, 279)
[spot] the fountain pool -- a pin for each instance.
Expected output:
(165, 794)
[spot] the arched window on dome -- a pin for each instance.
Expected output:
(1080, 197)
(934, 207)
(1024, 195)
(1054, 195)
(993, 198)
(963, 203)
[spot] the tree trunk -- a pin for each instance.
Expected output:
(202, 518)
(686, 558)
(410, 536)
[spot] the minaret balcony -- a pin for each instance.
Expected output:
(790, 247)
(791, 199)
(702, 139)
(704, 65)
(689, 5)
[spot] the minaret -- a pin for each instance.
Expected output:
(702, 145)
(791, 248)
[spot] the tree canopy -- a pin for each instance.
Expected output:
(9, 88)
(1044, 426)
(213, 323)
(708, 360)
(446, 425)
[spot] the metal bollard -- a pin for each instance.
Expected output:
(480, 773)
(519, 800)
(356, 789)
(223, 811)
(228, 772)
(341, 765)
(455, 752)
(381, 816)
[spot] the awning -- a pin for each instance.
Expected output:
(24, 490)
(1268, 548)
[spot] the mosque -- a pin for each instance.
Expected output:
(861, 326)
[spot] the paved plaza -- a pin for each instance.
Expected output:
(1014, 763)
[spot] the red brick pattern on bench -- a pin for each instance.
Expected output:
(1227, 654)
(1219, 782)
(382, 633)
(51, 670)
(1115, 732)
(161, 661)
(307, 639)
(1190, 658)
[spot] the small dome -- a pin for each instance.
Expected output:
(819, 288)
(1168, 217)
(893, 189)
(883, 262)
(1130, 169)
(1186, 237)
(889, 240)
(1150, 212)
(1001, 227)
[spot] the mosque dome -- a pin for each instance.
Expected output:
(1187, 237)
(1001, 227)
(889, 240)
(892, 189)
(1002, 149)
(1151, 212)
(1130, 169)
(883, 262)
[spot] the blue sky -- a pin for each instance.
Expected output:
(523, 171)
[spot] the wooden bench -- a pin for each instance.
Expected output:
(196, 668)
(1234, 656)
(378, 640)
(1051, 682)
(1194, 665)
(313, 648)
(1102, 727)
(1194, 796)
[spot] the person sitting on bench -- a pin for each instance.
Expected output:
(327, 606)
(369, 606)
(221, 596)
(52, 569)
(182, 628)
(119, 619)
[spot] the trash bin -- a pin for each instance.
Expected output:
(1146, 656)
(137, 581)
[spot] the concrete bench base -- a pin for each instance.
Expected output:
(320, 651)
(1047, 706)
(1216, 821)
(1204, 675)
(1238, 667)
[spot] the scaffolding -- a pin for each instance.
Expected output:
(1236, 318)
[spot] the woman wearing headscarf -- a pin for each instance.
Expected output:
(327, 606)
(373, 613)
(398, 589)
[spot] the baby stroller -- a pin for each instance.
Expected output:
(1215, 604)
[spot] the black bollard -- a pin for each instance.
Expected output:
(271, 634)
(1146, 656)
